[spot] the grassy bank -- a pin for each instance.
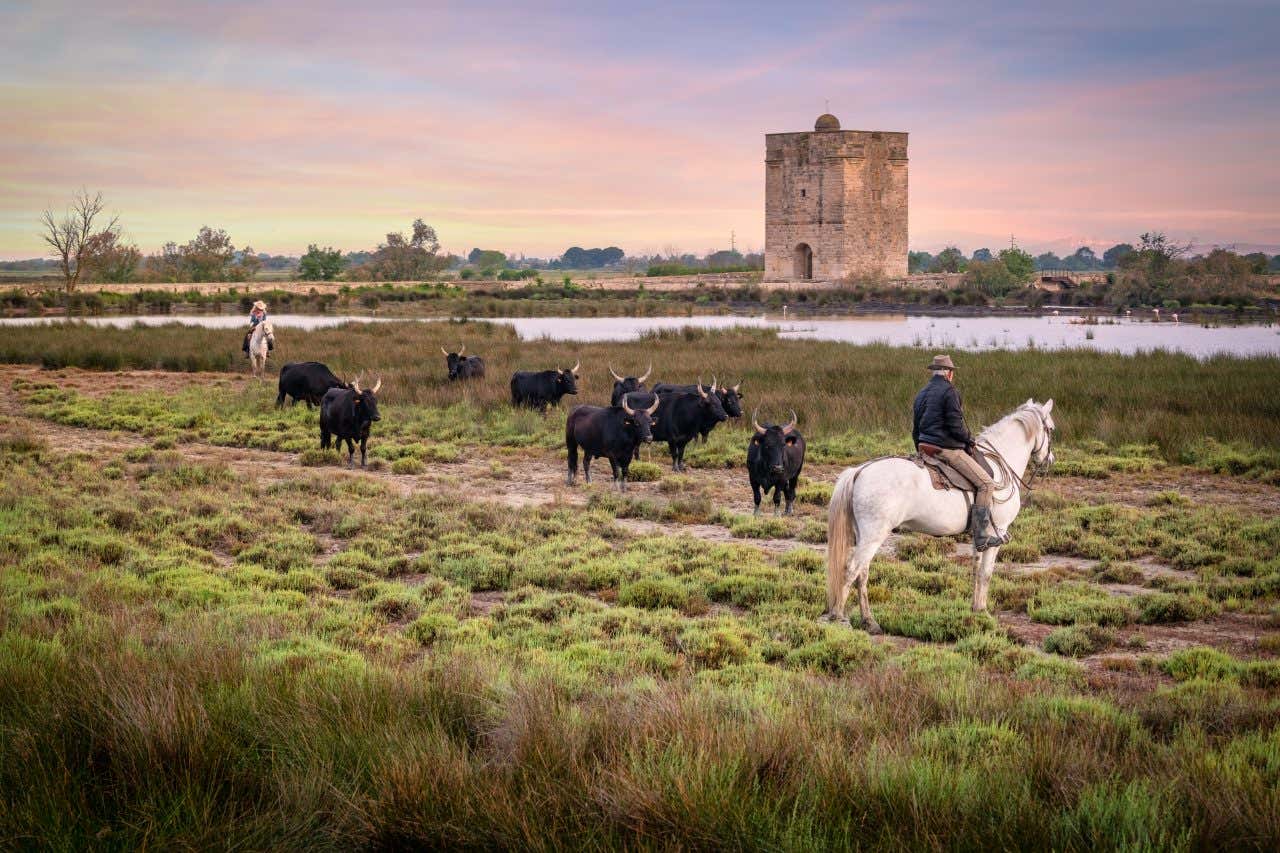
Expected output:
(193, 657)
(1219, 413)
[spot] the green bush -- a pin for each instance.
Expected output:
(1078, 641)
(1071, 603)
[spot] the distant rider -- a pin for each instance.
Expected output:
(939, 430)
(256, 316)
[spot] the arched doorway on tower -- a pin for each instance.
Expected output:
(803, 262)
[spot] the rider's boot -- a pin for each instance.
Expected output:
(984, 532)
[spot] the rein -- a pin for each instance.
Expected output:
(1024, 486)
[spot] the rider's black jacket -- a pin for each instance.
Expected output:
(938, 417)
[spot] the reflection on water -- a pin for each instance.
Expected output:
(944, 333)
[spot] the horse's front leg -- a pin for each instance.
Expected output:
(984, 566)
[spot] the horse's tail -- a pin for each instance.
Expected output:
(842, 534)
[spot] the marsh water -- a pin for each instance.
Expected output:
(1121, 335)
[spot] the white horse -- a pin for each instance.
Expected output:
(882, 495)
(260, 343)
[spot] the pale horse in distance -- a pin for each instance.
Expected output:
(260, 343)
(882, 495)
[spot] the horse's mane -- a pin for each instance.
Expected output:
(1024, 416)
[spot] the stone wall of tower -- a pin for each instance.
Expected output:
(843, 193)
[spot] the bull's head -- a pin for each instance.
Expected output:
(365, 403)
(641, 419)
(454, 360)
(623, 385)
(568, 379)
(731, 399)
(773, 440)
(711, 400)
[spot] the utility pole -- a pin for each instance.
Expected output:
(733, 245)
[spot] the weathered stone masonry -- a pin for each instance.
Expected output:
(835, 203)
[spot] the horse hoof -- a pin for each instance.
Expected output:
(832, 619)
(872, 627)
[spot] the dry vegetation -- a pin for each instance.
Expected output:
(212, 636)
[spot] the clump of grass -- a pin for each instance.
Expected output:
(762, 527)
(1079, 641)
(814, 492)
(644, 472)
(1071, 603)
(407, 465)
(1161, 607)
(314, 457)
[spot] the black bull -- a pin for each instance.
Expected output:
(730, 398)
(306, 380)
(463, 366)
(775, 458)
(612, 432)
(681, 418)
(346, 414)
(538, 390)
(624, 385)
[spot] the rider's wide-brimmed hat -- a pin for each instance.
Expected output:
(260, 305)
(942, 362)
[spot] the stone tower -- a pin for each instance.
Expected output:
(835, 203)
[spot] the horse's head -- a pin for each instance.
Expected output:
(1042, 450)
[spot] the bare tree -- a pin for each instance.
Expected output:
(70, 236)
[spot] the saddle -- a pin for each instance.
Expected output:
(944, 477)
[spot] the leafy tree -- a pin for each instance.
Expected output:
(1083, 259)
(949, 259)
(321, 264)
(108, 258)
(724, 258)
(400, 259)
(1048, 261)
(1019, 264)
(1274, 266)
(1111, 257)
(919, 262)
(69, 237)
(991, 277)
(577, 257)
(487, 259)
(982, 255)
(208, 256)
(1258, 261)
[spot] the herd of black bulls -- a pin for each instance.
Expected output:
(636, 415)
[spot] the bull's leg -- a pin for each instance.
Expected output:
(613, 467)
(791, 493)
(363, 455)
(586, 466)
(572, 447)
(351, 453)
(675, 459)
(280, 400)
(777, 498)
(324, 439)
(755, 493)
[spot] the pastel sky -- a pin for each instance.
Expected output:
(532, 127)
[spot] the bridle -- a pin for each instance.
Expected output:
(1044, 446)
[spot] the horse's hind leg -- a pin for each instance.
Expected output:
(858, 571)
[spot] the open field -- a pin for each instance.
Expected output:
(213, 635)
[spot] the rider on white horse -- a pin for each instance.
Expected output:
(256, 316)
(939, 430)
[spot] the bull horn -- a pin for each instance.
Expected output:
(576, 365)
(755, 423)
(713, 383)
(462, 349)
(736, 388)
(626, 408)
(646, 373)
(654, 407)
(700, 391)
(355, 384)
(377, 385)
(786, 430)
(445, 351)
(615, 376)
